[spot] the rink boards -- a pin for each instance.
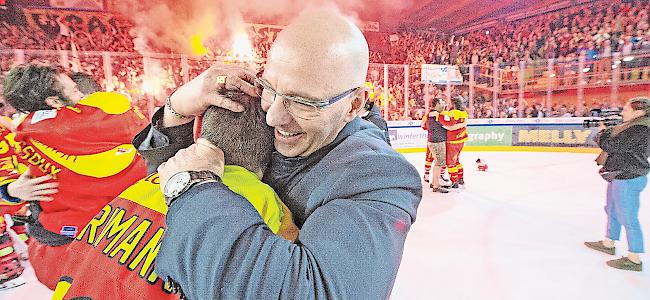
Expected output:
(539, 135)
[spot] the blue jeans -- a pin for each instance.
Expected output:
(623, 197)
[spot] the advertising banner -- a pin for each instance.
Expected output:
(554, 136)
(489, 136)
(408, 134)
(439, 74)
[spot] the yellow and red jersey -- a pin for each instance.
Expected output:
(453, 117)
(8, 165)
(114, 255)
(87, 149)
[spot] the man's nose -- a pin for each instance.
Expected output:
(277, 114)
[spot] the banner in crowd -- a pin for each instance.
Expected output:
(439, 74)
(78, 4)
(409, 134)
(46, 20)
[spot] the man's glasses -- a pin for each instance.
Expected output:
(299, 107)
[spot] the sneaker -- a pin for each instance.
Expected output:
(426, 178)
(454, 185)
(442, 185)
(461, 181)
(599, 246)
(625, 263)
(440, 190)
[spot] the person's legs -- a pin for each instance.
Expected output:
(459, 166)
(427, 162)
(452, 162)
(613, 226)
(439, 152)
(628, 194)
(626, 208)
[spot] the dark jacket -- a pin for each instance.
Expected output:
(353, 200)
(374, 117)
(628, 151)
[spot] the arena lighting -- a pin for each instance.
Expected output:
(487, 32)
(147, 88)
(552, 75)
(614, 66)
(585, 70)
(241, 46)
(628, 58)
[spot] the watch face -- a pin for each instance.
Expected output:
(176, 184)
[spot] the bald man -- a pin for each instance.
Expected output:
(352, 196)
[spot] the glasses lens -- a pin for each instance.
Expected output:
(300, 110)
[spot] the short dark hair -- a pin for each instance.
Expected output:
(85, 83)
(27, 86)
(458, 103)
(245, 138)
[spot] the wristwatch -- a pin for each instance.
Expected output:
(180, 182)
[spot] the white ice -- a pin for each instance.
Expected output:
(515, 232)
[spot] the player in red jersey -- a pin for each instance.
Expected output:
(120, 265)
(455, 121)
(83, 144)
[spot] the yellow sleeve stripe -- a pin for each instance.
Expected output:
(62, 288)
(110, 103)
(147, 193)
(100, 165)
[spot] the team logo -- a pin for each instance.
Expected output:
(69, 231)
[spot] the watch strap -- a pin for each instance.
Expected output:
(196, 177)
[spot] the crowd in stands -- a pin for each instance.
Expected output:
(596, 29)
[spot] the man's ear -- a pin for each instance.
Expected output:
(54, 102)
(357, 104)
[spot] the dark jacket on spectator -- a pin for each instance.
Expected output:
(627, 152)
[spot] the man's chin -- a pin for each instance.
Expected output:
(289, 150)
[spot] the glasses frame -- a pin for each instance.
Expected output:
(316, 104)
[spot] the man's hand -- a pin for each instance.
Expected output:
(201, 156)
(27, 188)
(194, 98)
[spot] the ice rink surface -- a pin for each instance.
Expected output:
(515, 232)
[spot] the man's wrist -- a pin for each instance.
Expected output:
(182, 182)
(170, 117)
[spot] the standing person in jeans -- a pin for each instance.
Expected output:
(437, 143)
(625, 167)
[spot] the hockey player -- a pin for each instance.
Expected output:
(102, 267)
(455, 121)
(84, 145)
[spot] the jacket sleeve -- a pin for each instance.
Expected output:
(348, 248)
(157, 144)
(633, 139)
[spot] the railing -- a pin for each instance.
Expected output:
(398, 89)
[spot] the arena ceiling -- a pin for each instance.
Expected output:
(452, 15)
